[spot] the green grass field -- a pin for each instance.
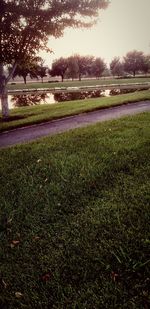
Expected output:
(74, 219)
(23, 116)
(92, 82)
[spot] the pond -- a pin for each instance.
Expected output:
(29, 99)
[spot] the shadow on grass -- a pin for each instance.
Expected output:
(13, 118)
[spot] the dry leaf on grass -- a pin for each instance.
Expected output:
(14, 243)
(18, 294)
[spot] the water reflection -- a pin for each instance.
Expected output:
(120, 91)
(19, 100)
(69, 96)
(29, 99)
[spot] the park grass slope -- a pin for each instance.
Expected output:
(74, 221)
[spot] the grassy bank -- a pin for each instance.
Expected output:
(74, 221)
(77, 83)
(36, 114)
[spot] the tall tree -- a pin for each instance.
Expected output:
(88, 62)
(28, 67)
(41, 70)
(21, 71)
(83, 64)
(133, 62)
(98, 67)
(59, 67)
(25, 26)
(72, 70)
(116, 67)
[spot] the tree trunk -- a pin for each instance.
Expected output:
(62, 78)
(25, 79)
(4, 102)
(3, 89)
(3, 93)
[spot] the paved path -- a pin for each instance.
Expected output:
(33, 132)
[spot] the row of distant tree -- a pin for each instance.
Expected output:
(133, 63)
(77, 66)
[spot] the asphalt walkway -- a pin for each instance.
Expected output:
(30, 133)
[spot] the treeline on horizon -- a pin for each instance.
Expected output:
(77, 67)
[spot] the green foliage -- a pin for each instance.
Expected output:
(26, 24)
(74, 221)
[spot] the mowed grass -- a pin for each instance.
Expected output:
(74, 219)
(24, 116)
(76, 83)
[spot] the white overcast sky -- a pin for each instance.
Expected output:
(123, 26)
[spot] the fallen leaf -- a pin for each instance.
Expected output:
(39, 160)
(9, 221)
(18, 294)
(14, 243)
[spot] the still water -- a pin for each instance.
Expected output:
(19, 100)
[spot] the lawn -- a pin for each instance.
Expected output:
(76, 83)
(74, 221)
(23, 116)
